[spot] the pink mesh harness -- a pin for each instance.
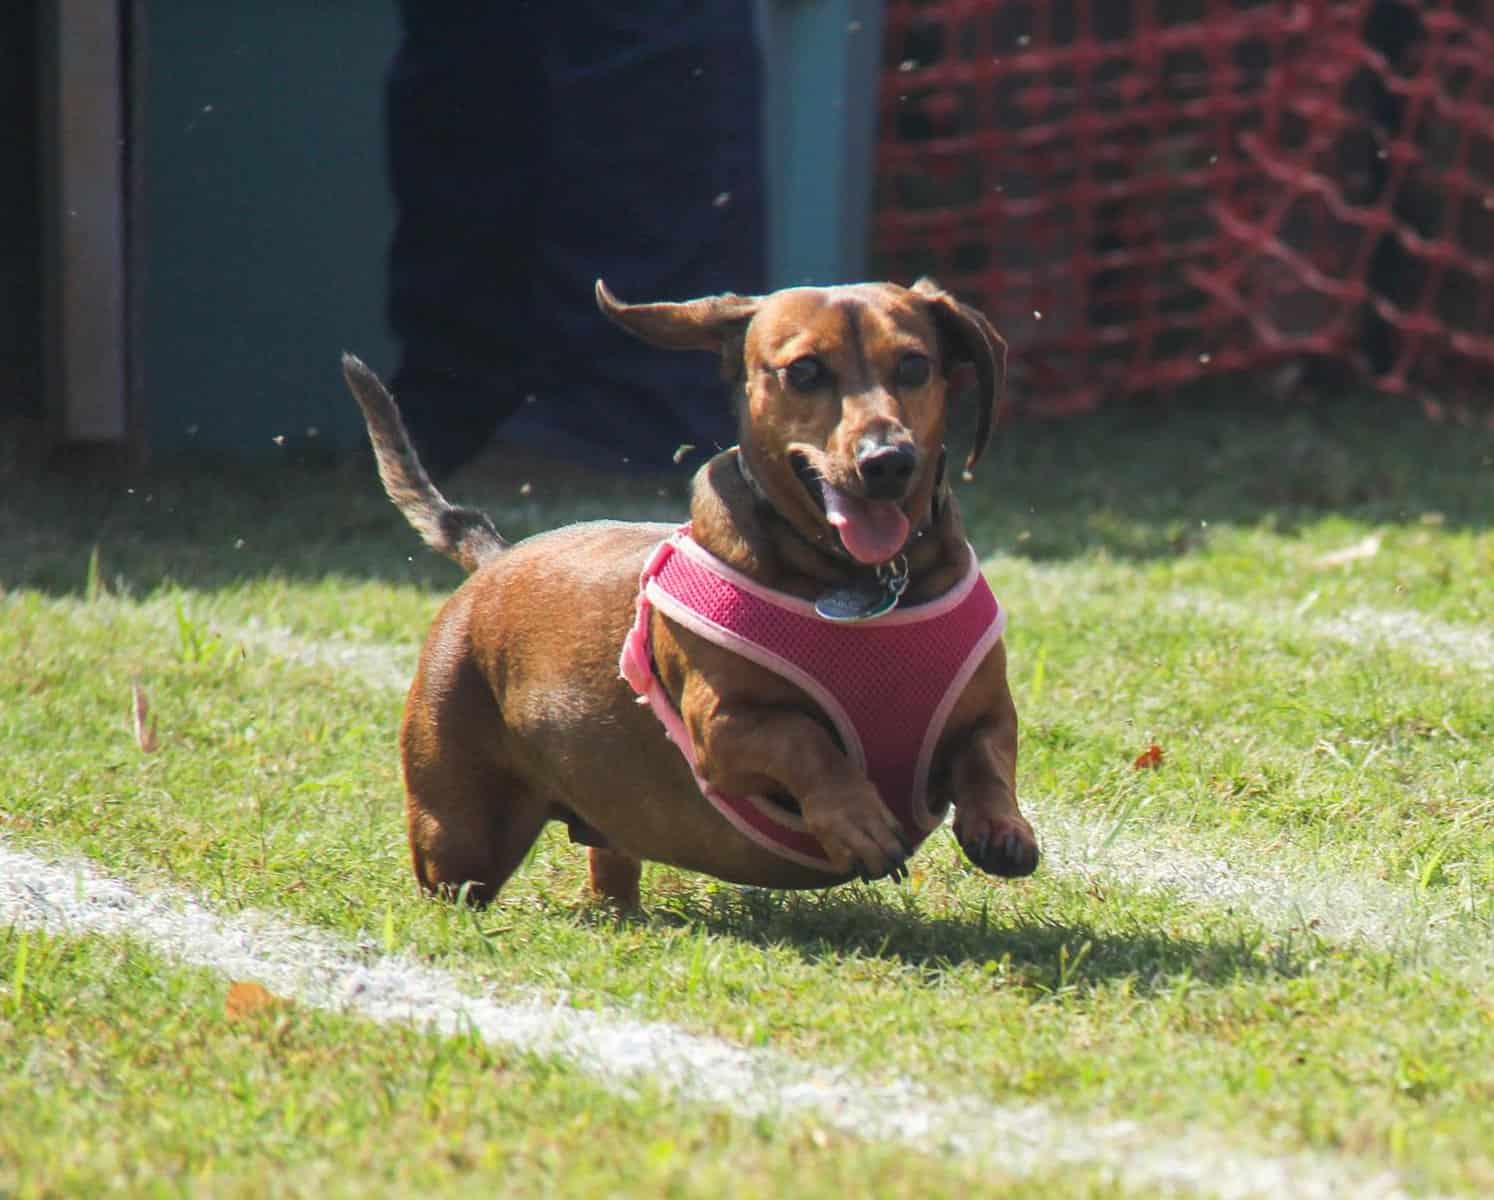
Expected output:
(887, 684)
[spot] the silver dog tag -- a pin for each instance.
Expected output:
(847, 604)
(863, 600)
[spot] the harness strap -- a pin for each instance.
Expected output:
(887, 685)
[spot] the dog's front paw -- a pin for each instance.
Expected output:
(998, 845)
(859, 835)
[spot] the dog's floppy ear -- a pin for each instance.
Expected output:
(966, 336)
(714, 323)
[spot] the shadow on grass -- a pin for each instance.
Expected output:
(1015, 948)
(213, 526)
(1144, 483)
(1133, 483)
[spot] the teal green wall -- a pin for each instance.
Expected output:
(266, 218)
(823, 60)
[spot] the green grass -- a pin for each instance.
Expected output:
(1166, 584)
(127, 1074)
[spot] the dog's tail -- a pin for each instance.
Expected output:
(462, 534)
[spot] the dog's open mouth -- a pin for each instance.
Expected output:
(872, 531)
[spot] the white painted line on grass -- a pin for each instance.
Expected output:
(375, 663)
(1280, 893)
(1406, 631)
(1422, 637)
(1416, 635)
(316, 970)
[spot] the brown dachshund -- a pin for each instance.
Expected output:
(836, 497)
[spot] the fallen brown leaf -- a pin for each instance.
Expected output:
(247, 998)
(1149, 759)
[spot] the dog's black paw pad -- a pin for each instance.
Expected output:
(1010, 855)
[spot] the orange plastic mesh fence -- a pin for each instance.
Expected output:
(1141, 192)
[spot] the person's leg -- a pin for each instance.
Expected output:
(465, 105)
(653, 182)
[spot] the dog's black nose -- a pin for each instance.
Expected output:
(885, 470)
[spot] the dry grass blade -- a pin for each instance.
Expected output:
(144, 724)
(1365, 548)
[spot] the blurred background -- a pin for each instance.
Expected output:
(1142, 194)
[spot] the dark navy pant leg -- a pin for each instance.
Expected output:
(533, 148)
(654, 184)
(465, 112)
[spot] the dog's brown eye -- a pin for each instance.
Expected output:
(913, 371)
(806, 374)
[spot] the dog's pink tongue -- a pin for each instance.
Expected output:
(872, 531)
